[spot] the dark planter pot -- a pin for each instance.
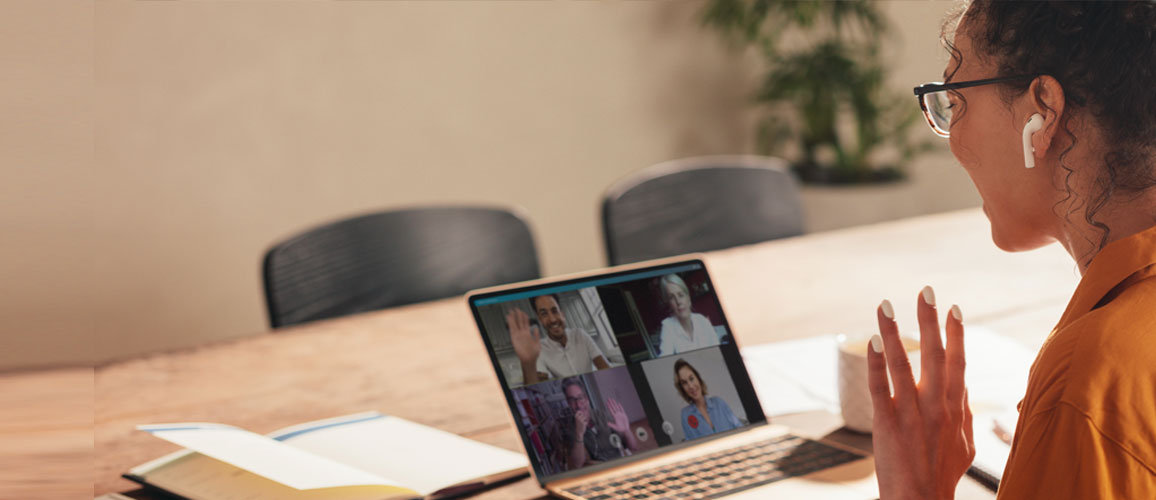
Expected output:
(812, 173)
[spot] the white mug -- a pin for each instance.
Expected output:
(854, 394)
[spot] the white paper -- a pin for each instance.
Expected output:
(795, 375)
(264, 456)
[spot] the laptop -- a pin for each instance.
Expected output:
(628, 383)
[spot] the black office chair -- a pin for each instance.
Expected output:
(700, 204)
(393, 258)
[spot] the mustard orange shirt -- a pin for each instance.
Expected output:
(1087, 425)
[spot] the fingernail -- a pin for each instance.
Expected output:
(876, 343)
(887, 310)
(957, 314)
(928, 295)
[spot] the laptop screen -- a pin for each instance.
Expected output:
(608, 368)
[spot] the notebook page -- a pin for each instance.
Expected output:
(200, 477)
(427, 459)
(263, 456)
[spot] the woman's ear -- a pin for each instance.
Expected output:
(1047, 99)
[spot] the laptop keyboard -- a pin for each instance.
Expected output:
(722, 473)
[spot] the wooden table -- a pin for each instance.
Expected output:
(426, 362)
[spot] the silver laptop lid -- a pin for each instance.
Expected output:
(608, 368)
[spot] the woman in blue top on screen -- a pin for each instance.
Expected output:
(705, 415)
(684, 330)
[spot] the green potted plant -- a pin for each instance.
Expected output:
(824, 90)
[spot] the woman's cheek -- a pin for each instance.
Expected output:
(963, 154)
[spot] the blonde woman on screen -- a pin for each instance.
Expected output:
(684, 330)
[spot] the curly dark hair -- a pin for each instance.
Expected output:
(1104, 56)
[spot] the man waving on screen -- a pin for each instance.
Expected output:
(563, 352)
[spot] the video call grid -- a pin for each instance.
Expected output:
(621, 416)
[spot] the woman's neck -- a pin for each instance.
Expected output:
(1123, 216)
(687, 325)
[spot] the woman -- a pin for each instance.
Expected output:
(703, 415)
(1087, 425)
(684, 330)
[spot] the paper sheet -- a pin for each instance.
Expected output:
(795, 375)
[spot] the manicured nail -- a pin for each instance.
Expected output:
(876, 343)
(887, 310)
(928, 295)
(957, 314)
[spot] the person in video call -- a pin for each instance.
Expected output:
(593, 440)
(1050, 108)
(563, 352)
(703, 415)
(684, 330)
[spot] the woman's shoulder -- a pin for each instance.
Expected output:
(1111, 380)
(1104, 364)
(1133, 301)
(1121, 329)
(1120, 334)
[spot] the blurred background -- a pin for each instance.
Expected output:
(153, 151)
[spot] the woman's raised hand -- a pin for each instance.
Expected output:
(922, 433)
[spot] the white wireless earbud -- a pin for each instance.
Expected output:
(1035, 123)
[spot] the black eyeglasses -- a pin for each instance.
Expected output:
(933, 100)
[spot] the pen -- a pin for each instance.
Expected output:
(1001, 432)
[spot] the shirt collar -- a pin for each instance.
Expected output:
(1114, 264)
(555, 343)
(709, 404)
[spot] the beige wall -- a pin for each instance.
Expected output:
(164, 145)
(48, 183)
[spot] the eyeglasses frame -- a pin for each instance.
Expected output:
(932, 87)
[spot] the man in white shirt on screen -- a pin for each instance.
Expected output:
(562, 352)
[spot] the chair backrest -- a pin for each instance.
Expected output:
(700, 204)
(393, 258)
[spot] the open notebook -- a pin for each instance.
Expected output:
(366, 456)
